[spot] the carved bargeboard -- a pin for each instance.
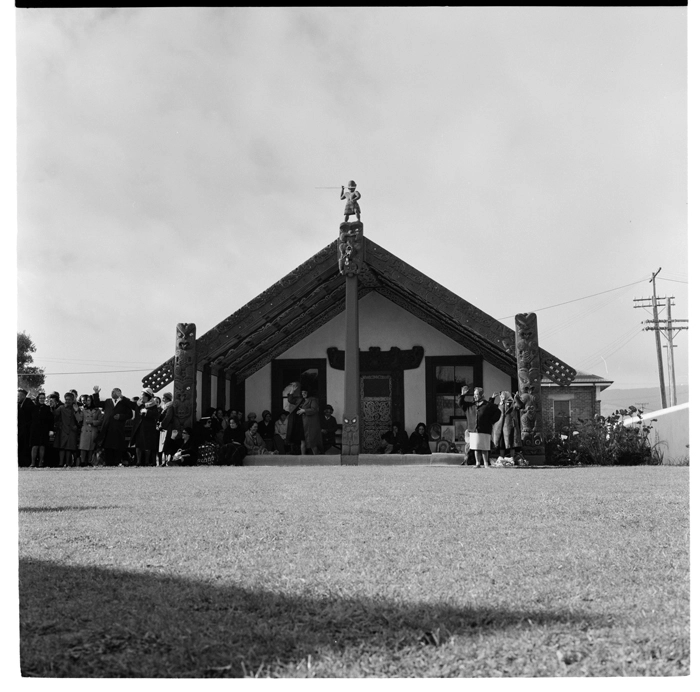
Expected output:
(185, 374)
(527, 351)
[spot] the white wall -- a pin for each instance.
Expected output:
(383, 324)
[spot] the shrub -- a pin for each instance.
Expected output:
(602, 441)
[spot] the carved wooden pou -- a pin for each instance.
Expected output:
(350, 262)
(185, 375)
(527, 351)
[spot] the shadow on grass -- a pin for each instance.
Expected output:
(95, 622)
(66, 508)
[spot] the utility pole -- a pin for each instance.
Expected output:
(671, 364)
(665, 327)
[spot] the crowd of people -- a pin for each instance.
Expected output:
(144, 431)
(87, 430)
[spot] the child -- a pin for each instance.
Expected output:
(352, 195)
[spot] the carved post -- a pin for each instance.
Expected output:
(527, 350)
(185, 374)
(350, 260)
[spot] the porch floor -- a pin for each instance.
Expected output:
(435, 459)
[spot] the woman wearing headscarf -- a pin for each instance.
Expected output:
(91, 420)
(481, 415)
(145, 437)
(419, 442)
(40, 429)
(66, 426)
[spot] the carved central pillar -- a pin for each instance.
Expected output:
(185, 375)
(527, 351)
(350, 259)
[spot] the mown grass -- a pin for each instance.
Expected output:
(354, 571)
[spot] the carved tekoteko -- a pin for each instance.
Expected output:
(350, 248)
(527, 352)
(185, 372)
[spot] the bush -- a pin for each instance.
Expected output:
(601, 441)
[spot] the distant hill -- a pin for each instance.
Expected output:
(648, 398)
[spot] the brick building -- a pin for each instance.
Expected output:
(581, 399)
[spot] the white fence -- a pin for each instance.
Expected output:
(670, 432)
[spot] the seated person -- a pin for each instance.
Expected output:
(329, 426)
(266, 429)
(250, 420)
(233, 448)
(280, 434)
(254, 444)
(187, 451)
(419, 442)
(395, 441)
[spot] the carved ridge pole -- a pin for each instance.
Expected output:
(350, 260)
(185, 374)
(527, 352)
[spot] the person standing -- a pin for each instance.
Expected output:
(481, 415)
(145, 436)
(308, 410)
(91, 420)
(25, 408)
(167, 426)
(117, 411)
(66, 426)
(295, 424)
(506, 437)
(40, 429)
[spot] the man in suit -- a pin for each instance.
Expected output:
(25, 408)
(112, 437)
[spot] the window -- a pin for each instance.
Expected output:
(562, 415)
(445, 376)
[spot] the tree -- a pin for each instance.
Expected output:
(29, 376)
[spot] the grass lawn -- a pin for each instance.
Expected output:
(354, 571)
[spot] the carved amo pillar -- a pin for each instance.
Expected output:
(185, 374)
(527, 351)
(350, 259)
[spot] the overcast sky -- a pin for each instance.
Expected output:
(169, 162)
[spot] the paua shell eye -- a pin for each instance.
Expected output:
(354, 420)
(345, 420)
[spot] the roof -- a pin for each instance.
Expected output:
(582, 378)
(314, 293)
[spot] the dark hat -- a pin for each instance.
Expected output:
(328, 407)
(24, 391)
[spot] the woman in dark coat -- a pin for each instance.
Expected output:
(419, 442)
(167, 427)
(505, 434)
(309, 411)
(145, 435)
(188, 449)
(395, 441)
(233, 449)
(40, 429)
(295, 424)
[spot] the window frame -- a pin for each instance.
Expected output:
(431, 362)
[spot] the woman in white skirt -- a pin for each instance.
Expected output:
(481, 415)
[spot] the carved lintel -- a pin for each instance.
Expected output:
(375, 359)
(350, 248)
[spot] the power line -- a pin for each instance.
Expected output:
(91, 372)
(592, 295)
